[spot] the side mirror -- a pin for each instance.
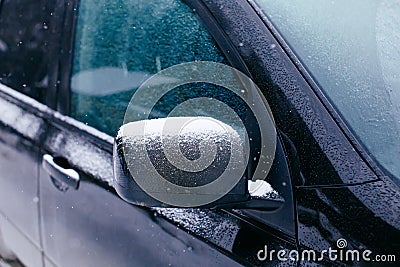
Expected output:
(187, 162)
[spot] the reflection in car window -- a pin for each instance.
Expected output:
(24, 35)
(352, 48)
(120, 44)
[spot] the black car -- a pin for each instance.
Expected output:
(308, 91)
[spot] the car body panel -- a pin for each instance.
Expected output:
(21, 247)
(336, 188)
(19, 147)
(326, 215)
(92, 226)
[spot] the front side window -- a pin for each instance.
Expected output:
(120, 44)
(352, 49)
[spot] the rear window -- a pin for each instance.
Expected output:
(24, 45)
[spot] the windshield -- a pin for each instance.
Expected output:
(352, 49)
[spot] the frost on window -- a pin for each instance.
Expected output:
(120, 44)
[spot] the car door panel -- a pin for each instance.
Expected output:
(20, 245)
(92, 225)
(19, 141)
(18, 188)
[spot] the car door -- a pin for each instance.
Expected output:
(116, 47)
(19, 219)
(26, 27)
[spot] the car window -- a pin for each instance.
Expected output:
(24, 46)
(352, 49)
(120, 44)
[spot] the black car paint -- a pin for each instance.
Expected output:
(71, 220)
(325, 160)
(324, 153)
(324, 218)
(19, 150)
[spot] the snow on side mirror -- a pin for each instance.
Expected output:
(186, 162)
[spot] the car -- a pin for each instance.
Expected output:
(199, 132)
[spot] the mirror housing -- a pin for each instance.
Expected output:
(187, 162)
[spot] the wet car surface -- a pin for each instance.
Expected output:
(68, 71)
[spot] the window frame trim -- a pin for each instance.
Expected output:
(63, 95)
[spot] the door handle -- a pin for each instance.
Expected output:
(59, 169)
